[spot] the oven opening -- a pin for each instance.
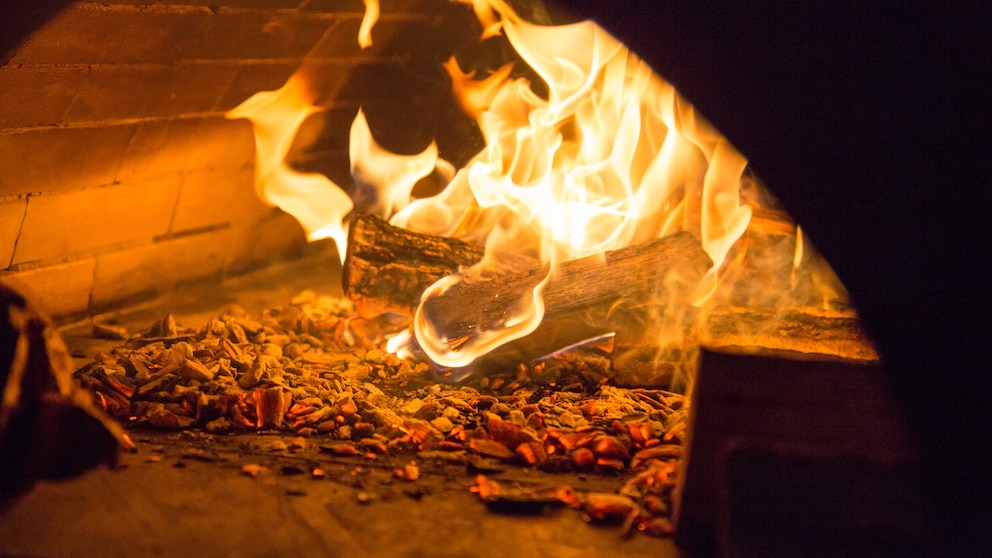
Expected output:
(363, 271)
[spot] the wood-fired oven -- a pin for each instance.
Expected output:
(122, 180)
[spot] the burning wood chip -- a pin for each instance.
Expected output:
(253, 469)
(306, 369)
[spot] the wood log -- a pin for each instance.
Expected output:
(810, 331)
(585, 298)
(387, 268)
(640, 360)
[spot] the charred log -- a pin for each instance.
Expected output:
(387, 268)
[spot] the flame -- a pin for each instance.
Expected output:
(317, 203)
(797, 259)
(598, 165)
(488, 12)
(462, 352)
(368, 22)
(393, 176)
(611, 156)
(605, 161)
(475, 96)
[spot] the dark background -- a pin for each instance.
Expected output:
(869, 121)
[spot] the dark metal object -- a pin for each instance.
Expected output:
(48, 428)
(801, 452)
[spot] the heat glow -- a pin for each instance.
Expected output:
(611, 156)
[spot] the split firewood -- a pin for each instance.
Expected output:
(803, 331)
(387, 268)
(800, 330)
(619, 292)
(49, 428)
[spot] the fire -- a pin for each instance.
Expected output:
(608, 159)
(368, 22)
(393, 176)
(317, 203)
(611, 156)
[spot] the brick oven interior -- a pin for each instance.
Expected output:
(125, 142)
(126, 194)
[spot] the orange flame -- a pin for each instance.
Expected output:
(368, 22)
(488, 12)
(475, 96)
(607, 160)
(612, 156)
(317, 203)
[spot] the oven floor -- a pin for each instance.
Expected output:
(186, 493)
(183, 495)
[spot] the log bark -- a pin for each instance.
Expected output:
(616, 292)
(803, 332)
(799, 330)
(387, 268)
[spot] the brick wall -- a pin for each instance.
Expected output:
(120, 176)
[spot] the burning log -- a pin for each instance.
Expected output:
(801, 330)
(585, 298)
(387, 268)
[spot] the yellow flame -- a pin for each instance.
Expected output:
(607, 160)
(598, 165)
(475, 96)
(317, 203)
(488, 12)
(441, 350)
(797, 259)
(394, 176)
(368, 22)
(399, 344)
(611, 156)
